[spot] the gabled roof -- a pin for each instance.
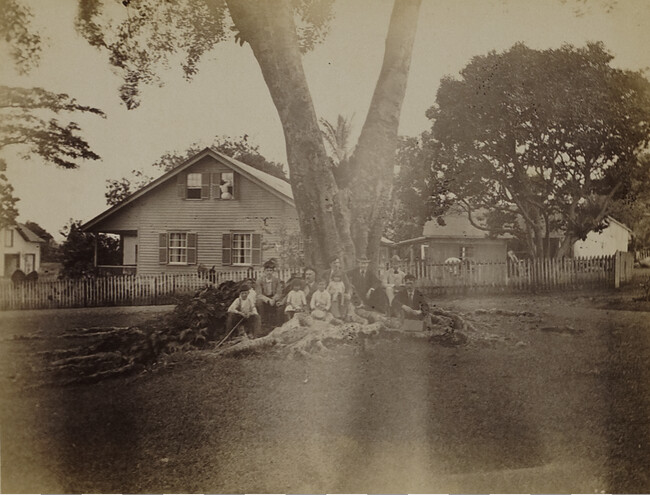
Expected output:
(611, 220)
(274, 185)
(457, 226)
(27, 234)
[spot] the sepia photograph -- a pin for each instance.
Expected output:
(325, 246)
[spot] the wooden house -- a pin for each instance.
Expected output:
(615, 237)
(458, 238)
(21, 250)
(210, 211)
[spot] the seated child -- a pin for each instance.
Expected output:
(321, 301)
(242, 311)
(296, 301)
(336, 289)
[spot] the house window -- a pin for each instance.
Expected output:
(30, 263)
(193, 186)
(177, 248)
(241, 249)
(9, 238)
(224, 185)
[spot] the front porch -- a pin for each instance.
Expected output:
(123, 260)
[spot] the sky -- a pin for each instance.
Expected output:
(228, 97)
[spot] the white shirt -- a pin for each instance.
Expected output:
(246, 306)
(296, 301)
(322, 299)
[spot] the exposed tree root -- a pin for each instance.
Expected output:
(502, 312)
(113, 351)
(304, 336)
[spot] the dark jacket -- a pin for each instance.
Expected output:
(402, 299)
(362, 284)
(276, 289)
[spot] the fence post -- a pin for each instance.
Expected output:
(617, 270)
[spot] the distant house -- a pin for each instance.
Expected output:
(21, 250)
(615, 237)
(458, 238)
(211, 210)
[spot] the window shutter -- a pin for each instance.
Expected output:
(162, 249)
(257, 249)
(205, 185)
(216, 182)
(235, 185)
(225, 250)
(192, 248)
(181, 185)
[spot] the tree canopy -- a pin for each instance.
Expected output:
(539, 142)
(27, 119)
(341, 215)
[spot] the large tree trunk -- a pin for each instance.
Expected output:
(269, 28)
(330, 212)
(373, 160)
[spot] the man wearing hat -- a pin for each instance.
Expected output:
(409, 300)
(268, 293)
(393, 278)
(368, 286)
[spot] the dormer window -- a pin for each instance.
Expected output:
(193, 186)
(223, 186)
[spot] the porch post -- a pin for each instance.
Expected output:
(95, 251)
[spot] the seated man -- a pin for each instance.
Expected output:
(243, 312)
(409, 300)
(309, 287)
(268, 294)
(368, 287)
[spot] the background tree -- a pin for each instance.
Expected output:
(419, 195)
(238, 148)
(8, 210)
(26, 120)
(78, 251)
(535, 142)
(343, 217)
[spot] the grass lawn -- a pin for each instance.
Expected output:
(554, 401)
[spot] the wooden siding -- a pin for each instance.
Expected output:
(254, 210)
(438, 250)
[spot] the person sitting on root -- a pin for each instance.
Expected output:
(368, 287)
(296, 301)
(310, 286)
(243, 312)
(393, 279)
(336, 290)
(409, 300)
(321, 301)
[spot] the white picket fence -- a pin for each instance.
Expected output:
(525, 275)
(111, 291)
